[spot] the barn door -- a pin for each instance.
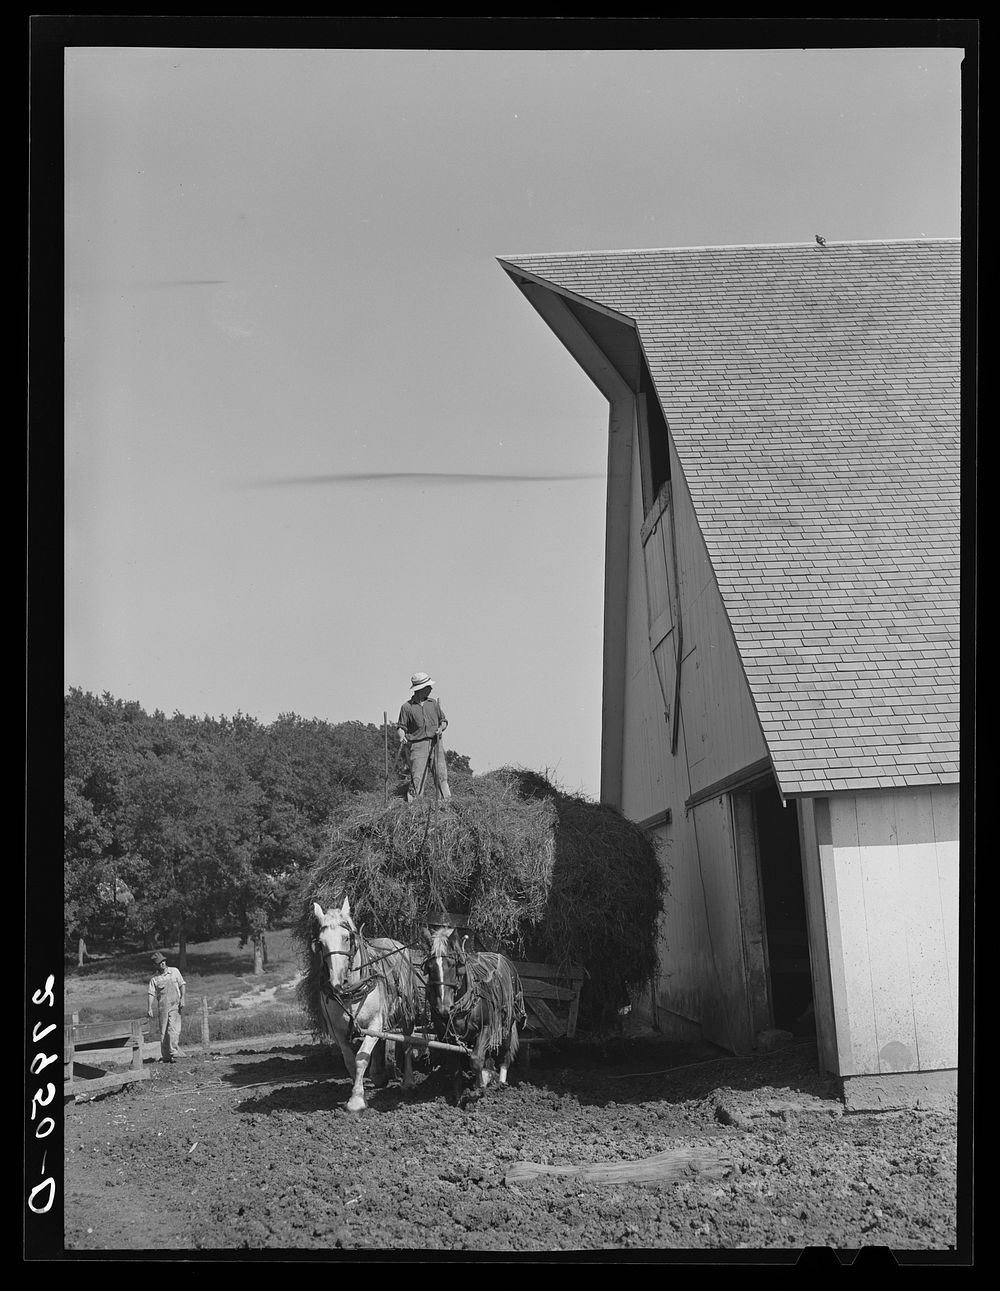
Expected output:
(662, 606)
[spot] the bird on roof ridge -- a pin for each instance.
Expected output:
(821, 241)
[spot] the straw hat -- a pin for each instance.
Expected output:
(157, 958)
(419, 680)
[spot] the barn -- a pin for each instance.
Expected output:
(780, 696)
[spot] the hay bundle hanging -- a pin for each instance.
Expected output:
(537, 873)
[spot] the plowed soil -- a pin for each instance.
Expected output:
(253, 1150)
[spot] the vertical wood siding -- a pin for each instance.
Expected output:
(720, 730)
(722, 733)
(889, 864)
(649, 780)
(811, 829)
(726, 1015)
(703, 974)
(752, 916)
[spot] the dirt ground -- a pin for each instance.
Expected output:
(252, 1150)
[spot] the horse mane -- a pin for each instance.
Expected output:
(401, 981)
(442, 940)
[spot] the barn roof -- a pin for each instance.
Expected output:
(813, 397)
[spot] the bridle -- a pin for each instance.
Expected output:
(350, 998)
(462, 981)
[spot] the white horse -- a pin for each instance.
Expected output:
(364, 986)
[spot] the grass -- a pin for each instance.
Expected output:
(114, 988)
(244, 1024)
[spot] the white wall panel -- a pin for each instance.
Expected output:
(890, 891)
(934, 1006)
(845, 877)
(887, 913)
(945, 807)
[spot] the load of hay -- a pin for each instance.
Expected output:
(535, 872)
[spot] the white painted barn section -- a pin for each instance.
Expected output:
(802, 778)
(887, 865)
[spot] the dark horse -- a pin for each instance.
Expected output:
(475, 1000)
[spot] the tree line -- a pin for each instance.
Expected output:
(179, 828)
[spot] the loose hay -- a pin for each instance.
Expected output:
(539, 873)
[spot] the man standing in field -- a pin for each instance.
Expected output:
(421, 725)
(167, 989)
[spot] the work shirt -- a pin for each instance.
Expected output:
(166, 988)
(421, 721)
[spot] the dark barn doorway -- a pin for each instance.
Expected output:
(784, 903)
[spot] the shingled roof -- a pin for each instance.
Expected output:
(813, 397)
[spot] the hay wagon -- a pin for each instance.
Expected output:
(569, 890)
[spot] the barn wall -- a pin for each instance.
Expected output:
(650, 782)
(719, 730)
(703, 974)
(888, 864)
(726, 1015)
(722, 733)
(819, 943)
(702, 989)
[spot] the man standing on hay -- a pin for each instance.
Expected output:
(421, 725)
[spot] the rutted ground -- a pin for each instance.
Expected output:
(253, 1149)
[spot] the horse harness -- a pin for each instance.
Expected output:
(464, 1004)
(351, 998)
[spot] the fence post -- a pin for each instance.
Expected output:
(204, 1022)
(385, 745)
(69, 1051)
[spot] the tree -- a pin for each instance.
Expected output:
(199, 824)
(86, 863)
(105, 741)
(190, 832)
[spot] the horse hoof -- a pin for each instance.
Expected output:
(357, 1105)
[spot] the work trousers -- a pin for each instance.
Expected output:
(170, 1031)
(424, 769)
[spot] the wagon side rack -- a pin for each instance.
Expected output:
(551, 992)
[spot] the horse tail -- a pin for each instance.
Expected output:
(519, 1013)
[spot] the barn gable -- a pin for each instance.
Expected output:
(812, 397)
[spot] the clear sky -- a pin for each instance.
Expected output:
(281, 272)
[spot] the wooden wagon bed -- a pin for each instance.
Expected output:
(551, 1001)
